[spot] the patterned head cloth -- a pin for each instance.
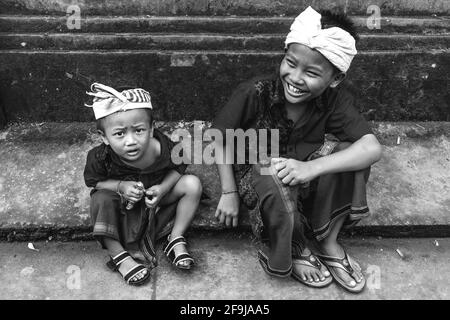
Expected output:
(336, 44)
(108, 100)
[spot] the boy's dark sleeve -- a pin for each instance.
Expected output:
(345, 122)
(180, 168)
(240, 109)
(94, 170)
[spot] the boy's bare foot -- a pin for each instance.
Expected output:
(308, 273)
(334, 249)
(137, 254)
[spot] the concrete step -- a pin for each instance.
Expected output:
(42, 191)
(224, 7)
(202, 41)
(202, 24)
(393, 85)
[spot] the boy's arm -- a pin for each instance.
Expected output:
(228, 207)
(127, 189)
(361, 154)
(156, 192)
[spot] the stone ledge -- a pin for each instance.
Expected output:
(183, 41)
(224, 7)
(42, 188)
(245, 25)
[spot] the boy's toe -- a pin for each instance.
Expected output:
(315, 277)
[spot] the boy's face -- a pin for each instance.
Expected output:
(128, 133)
(306, 73)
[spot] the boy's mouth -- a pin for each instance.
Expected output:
(132, 153)
(294, 91)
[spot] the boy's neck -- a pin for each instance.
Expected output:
(295, 111)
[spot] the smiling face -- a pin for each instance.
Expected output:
(128, 133)
(306, 73)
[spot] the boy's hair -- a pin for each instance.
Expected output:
(149, 115)
(340, 20)
(122, 88)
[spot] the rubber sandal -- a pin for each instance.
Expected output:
(116, 261)
(314, 262)
(176, 260)
(348, 265)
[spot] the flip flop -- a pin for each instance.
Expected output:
(314, 262)
(348, 265)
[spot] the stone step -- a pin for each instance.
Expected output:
(395, 85)
(202, 24)
(201, 41)
(42, 188)
(224, 7)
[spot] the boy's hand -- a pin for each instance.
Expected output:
(153, 195)
(228, 209)
(293, 172)
(131, 190)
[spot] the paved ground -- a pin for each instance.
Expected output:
(227, 269)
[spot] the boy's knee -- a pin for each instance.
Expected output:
(104, 197)
(191, 185)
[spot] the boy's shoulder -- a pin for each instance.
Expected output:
(164, 141)
(341, 96)
(259, 82)
(260, 85)
(99, 153)
(160, 136)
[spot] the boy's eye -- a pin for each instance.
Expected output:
(313, 74)
(118, 134)
(140, 130)
(290, 63)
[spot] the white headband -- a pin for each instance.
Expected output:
(108, 100)
(336, 44)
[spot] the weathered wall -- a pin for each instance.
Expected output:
(50, 86)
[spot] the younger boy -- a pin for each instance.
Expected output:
(316, 183)
(137, 189)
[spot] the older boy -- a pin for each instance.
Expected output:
(314, 184)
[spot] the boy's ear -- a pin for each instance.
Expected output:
(102, 134)
(152, 126)
(337, 79)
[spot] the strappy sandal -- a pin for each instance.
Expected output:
(116, 261)
(348, 265)
(176, 260)
(314, 262)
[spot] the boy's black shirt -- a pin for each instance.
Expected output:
(259, 104)
(103, 163)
